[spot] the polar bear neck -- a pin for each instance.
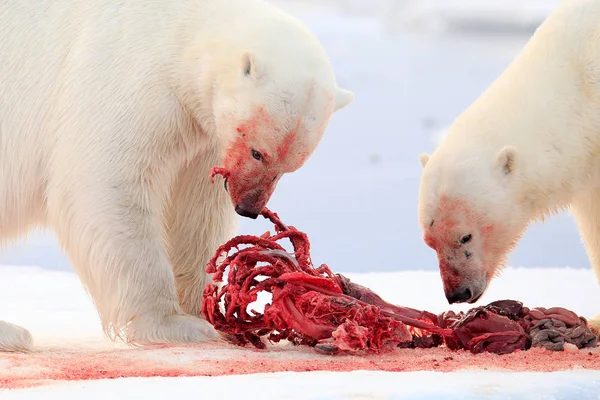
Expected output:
(283, 49)
(256, 27)
(546, 105)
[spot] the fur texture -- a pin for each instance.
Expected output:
(529, 146)
(113, 114)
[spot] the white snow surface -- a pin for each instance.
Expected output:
(362, 385)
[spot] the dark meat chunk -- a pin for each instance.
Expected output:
(552, 328)
(488, 328)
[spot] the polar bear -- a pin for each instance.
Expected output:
(113, 114)
(527, 147)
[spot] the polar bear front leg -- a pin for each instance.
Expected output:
(586, 209)
(107, 216)
(200, 218)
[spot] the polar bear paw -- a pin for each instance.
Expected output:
(15, 338)
(176, 328)
(594, 324)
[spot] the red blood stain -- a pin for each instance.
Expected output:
(218, 171)
(487, 230)
(450, 214)
(283, 149)
(443, 235)
(250, 178)
(431, 241)
(55, 365)
(260, 124)
(442, 232)
(450, 279)
(259, 120)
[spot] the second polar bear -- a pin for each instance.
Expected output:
(530, 145)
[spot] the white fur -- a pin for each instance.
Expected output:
(14, 338)
(530, 145)
(112, 114)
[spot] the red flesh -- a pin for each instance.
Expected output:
(312, 306)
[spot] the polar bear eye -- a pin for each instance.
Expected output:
(256, 155)
(465, 239)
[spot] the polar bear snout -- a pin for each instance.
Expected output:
(459, 296)
(245, 213)
(463, 295)
(251, 205)
(464, 281)
(464, 291)
(251, 190)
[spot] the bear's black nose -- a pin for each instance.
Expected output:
(459, 296)
(245, 213)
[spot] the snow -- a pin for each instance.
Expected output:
(472, 385)
(414, 65)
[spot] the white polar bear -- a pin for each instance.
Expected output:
(529, 146)
(113, 114)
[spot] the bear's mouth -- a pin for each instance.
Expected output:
(214, 171)
(475, 299)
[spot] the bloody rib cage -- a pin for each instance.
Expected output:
(312, 306)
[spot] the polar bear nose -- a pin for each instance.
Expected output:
(245, 213)
(252, 204)
(459, 295)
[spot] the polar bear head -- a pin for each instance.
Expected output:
(272, 104)
(472, 213)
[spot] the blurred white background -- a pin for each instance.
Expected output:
(414, 65)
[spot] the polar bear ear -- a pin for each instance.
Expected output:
(423, 158)
(249, 66)
(343, 97)
(507, 160)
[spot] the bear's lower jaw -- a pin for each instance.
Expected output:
(245, 213)
(475, 298)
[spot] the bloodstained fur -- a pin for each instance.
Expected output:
(256, 179)
(442, 234)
